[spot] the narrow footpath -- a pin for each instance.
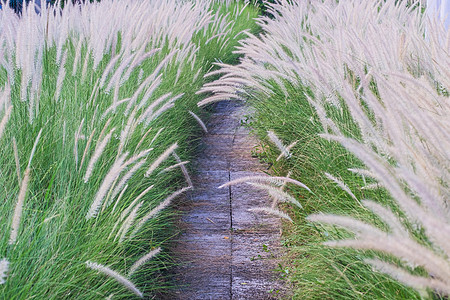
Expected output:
(226, 251)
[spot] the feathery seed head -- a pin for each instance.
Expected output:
(4, 266)
(143, 260)
(116, 276)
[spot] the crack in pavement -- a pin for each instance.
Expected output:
(226, 251)
(231, 228)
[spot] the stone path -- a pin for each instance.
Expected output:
(226, 251)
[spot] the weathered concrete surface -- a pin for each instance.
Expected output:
(225, 251)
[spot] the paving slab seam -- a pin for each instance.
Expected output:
(231, 228)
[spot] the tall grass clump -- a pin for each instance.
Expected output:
(95, 103)
(362, 87)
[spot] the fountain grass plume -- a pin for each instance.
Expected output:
(158, 209)
(183, 163)
(17, 216)
(277, 194)
(272, 211)
(4, 267)
(343, 186)
(288, 149)
(369, 237)
(116, 276)
(271, 179)
(107, 182)
(129, 207)
(119, 198)
(123, 181)
(141, 261)
(4, 120)
(97, 153)
(165, 155)
(128, 222)
(158, 133)
(22, 195)
(276, 140)
(86, 149)
(33, 150)
(183, 169)
(407, 278)
(199, 121)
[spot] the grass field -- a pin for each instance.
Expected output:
(94, 106)
(97, 121)
(359, 92)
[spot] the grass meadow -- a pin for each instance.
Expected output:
(99, 116)
(352, 106)
(96, 107)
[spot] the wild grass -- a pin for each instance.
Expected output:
(94, 99)
(363, 87)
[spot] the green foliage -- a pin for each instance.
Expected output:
(55, 238)
(316, 271)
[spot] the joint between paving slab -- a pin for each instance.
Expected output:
(231, 228)
(231, 215)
